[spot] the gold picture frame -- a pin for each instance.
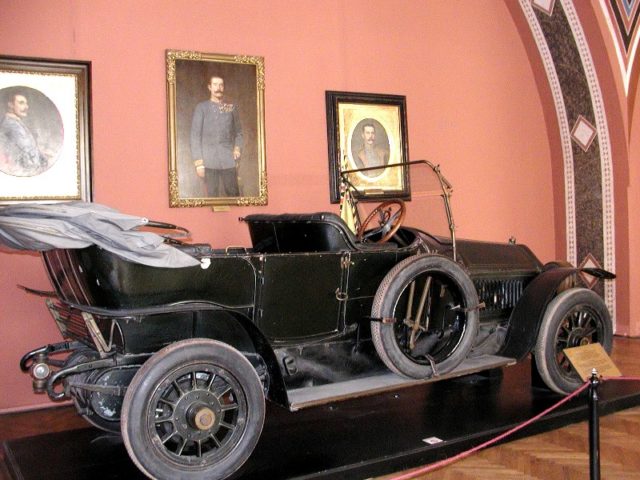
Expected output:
(45, 130)
(379, 123)
(235, 174)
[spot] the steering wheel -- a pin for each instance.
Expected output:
(390, 217)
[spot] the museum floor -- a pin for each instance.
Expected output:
(558, 454)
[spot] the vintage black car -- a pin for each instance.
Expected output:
(181, 360)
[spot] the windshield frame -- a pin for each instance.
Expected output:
(445, 187)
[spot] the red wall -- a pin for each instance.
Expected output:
(633, 191)
(472, 104)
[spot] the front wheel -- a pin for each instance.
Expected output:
(194, 410)
(576, 317)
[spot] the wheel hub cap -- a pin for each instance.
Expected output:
(197, 414)
(578, 338)
(204, 418)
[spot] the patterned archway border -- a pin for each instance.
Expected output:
(584, 135)
(623, 19)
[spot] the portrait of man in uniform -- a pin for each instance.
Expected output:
(216, 142)
(216, 119)
(30, 132)
(368, 147)
(371, 149)
(45, 130)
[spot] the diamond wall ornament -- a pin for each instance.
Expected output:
(545, 5)
(589, 262)
(583, 133)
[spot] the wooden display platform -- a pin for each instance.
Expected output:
(358, 438)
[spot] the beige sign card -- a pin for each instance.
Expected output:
(587, 357)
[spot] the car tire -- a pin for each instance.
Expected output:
(194, 410)
(575, 317)
(451, 304)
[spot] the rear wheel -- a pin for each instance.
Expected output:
(194, 410)
(427, 311)
(576, 317)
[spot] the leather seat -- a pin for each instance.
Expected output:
(295, 233)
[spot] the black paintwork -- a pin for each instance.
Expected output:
(300, 304)
(300, 298)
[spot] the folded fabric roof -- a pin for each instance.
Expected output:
(42, 227)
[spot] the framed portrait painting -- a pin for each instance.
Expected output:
(45, 130)
(368, 132)
(216, 129)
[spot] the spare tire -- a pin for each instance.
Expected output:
(425, 315)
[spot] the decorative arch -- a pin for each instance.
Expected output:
(584, 136)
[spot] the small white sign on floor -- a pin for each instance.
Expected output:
(432, 440)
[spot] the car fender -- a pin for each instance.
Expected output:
(277, 390)
(527, 315)
(230, 325)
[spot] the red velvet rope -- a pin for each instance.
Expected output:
(443, 463)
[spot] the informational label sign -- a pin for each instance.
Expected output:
(592, 356)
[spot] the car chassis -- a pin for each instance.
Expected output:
(180, 360)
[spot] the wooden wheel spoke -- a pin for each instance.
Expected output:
(583, 317)
(168, 437)
(215, 440)
(176, 385)
(182, 446)
(229, 406)
(227, 425)
(211, 380)
(167, 402)
(164, 419)
(224, 392)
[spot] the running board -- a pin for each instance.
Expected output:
(313, 396)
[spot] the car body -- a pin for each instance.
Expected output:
(180, 360)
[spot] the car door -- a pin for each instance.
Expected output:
(300, 295)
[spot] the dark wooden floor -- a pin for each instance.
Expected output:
(560, 454)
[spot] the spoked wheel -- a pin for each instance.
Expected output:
(194, 410)
(428, 311)
(576, 317)
(390, 215)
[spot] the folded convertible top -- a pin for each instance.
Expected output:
(44, 227)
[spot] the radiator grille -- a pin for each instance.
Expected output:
(499, 295)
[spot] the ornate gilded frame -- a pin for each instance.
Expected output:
(45, 151)
(188, 74)
(347, 116)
